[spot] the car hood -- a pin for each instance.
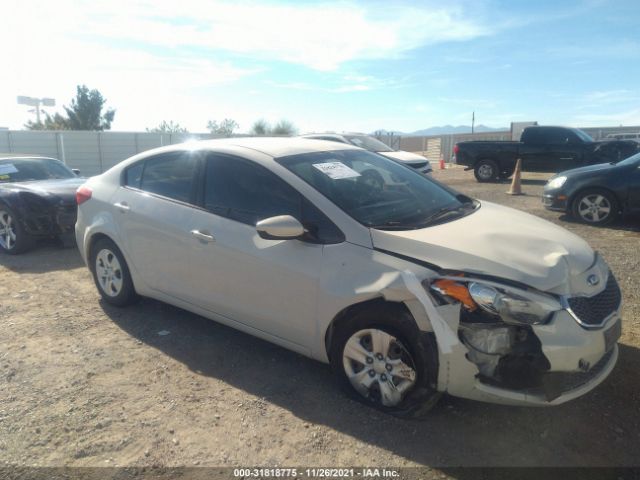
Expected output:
(407, 157)
(497, 241)
(64, 189)
(599, 167)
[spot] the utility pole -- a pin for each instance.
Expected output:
(473, 121)
(37, 103)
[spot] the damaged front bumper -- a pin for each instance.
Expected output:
(541, 364)
(579, 360)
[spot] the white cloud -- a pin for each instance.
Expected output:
(320, 36)
(627, 117)
(153, 59)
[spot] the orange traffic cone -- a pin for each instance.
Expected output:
(516, 189)
(441, 162)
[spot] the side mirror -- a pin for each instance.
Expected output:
(76, 171)
(282, 227)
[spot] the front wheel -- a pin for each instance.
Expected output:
(385, 361)
(13, 238)
(486, 171)
(111, 274)
(595, 207)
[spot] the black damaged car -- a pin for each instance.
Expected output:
(597, 194)
(37, 199)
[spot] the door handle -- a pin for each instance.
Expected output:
(203, 236)
(122, 206)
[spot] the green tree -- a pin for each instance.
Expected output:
(226, 127)
(51, 122)
(260, 127)
(284, 127)
(168, 127)
(84, 113)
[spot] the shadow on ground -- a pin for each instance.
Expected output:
(628, 223)
(600, 429)
(47, 256)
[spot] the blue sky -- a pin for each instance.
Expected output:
(330, 65)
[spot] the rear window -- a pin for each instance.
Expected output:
(32, 169)
(170, 175)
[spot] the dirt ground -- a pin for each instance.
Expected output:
(86, 384)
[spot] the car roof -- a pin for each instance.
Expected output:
(272, 146)
(334, 134)
(8, 156)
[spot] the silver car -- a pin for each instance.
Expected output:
(417, 162)
(408, 289)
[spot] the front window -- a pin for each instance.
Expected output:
(378, 192)
(585, 137)
(33, 169)
(368, 143)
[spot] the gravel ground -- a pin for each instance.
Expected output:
(86, 384)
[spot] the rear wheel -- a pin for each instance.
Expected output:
(13, 238)
(111, 274)
(385, 361)
(486, 171)
(596, 207)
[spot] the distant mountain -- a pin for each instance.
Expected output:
(445, 130)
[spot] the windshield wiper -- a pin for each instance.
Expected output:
(448, 211)
(438, 215)
(394, 225)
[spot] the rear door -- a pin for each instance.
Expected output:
(534, 152)
(153, 211)
(551, 149)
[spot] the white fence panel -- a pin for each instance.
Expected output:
(82, 151)
(116, 147)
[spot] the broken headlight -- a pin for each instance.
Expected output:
(516, 307)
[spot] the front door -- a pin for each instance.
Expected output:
(270, 285)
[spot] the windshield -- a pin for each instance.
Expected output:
(29, 169)
(585, 137)
(368, 143)
(378, 192)
(632, 160)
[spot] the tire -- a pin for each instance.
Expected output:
(409, 352)
(111, 274)
(13, 238)
(486, 171)
(595, 207)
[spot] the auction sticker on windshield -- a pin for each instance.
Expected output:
(6, 168)
(336, 170)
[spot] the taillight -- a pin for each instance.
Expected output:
(83, 194)
(455, 149)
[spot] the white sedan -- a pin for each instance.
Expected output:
(408, 289)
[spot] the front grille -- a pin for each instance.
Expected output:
(566, 381)
(66, 217)
(418, 165)
(592, 311)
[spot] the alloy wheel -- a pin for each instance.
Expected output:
(594, 208)
(485, 172)
(7, 231)
(378, 366)
(109, 272)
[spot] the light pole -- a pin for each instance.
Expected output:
(36, 102)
